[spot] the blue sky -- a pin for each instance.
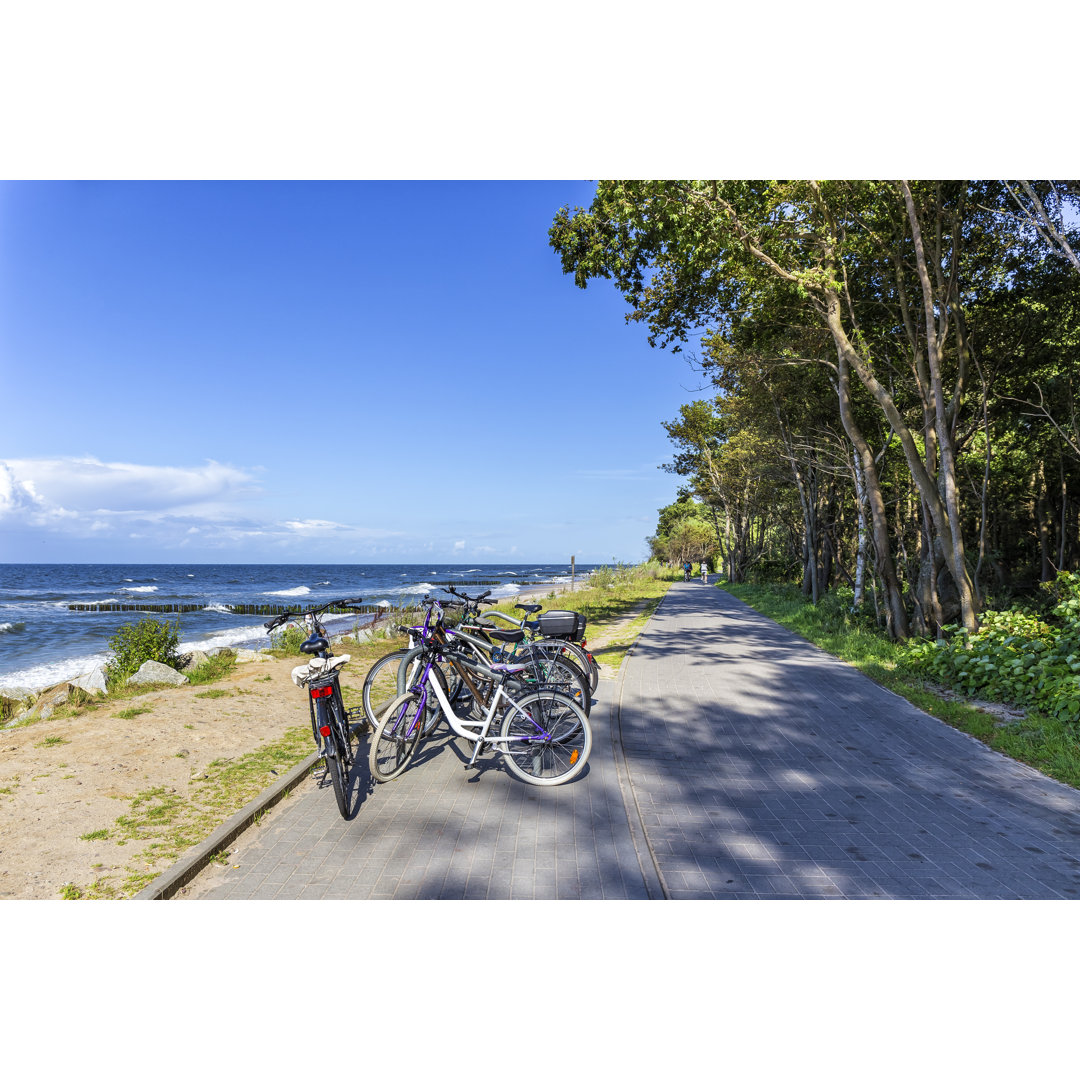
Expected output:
(367, 371)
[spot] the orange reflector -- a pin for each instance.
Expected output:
(573, 757)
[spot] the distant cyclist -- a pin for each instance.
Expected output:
(687, 569)
(704, 572)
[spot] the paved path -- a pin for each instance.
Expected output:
(765, 768)
(731, 759)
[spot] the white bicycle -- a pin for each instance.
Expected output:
(544, 735)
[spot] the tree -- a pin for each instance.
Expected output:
(851, 257)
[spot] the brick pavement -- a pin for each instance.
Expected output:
(766, 769)
(750, 766)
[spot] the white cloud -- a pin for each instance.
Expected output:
(87, 485)
(17, 495)
(459, 545)
(79, 500)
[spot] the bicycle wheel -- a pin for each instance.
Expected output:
(572, 651)
(347, 737)
(395, 739)
(558, 673)
(334, 756)
(380, 685)
(550, 738)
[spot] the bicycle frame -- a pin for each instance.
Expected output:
(462, 726)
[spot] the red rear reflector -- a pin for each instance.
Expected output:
(321, 691)
(324, 731)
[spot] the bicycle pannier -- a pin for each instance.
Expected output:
(562, 624)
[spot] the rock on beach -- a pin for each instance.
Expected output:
(153, 672)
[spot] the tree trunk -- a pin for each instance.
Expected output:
(955, 539)
(860, 550)
(896, 620)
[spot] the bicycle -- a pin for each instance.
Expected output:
(544, 661)
(556, 634)
(544, 735)
(331, 722)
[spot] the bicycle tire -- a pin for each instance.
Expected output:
(558, 673)
(381, 685)
(558, 754)
(575, 654)
(349, 739)
(333, 754)
(395, 738)
(585, 661)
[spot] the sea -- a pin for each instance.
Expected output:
(52, 626)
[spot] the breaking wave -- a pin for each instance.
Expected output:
(300, 590)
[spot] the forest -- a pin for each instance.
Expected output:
(889, 375)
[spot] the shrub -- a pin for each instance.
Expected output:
(1015, 656)
(135, 643)
(289, 640)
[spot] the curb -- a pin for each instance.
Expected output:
(651, 874)
(179, 874)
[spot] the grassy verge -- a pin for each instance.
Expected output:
(1046, 744)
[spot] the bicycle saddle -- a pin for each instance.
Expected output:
(531, 609)
(314, 645)
(506, 635)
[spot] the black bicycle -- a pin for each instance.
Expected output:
(334, 728)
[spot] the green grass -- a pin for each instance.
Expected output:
(611, 655)
(130, 714)
(217, 692)
(97, 834)
(1046, 744)
(52, 740)
(217, 667)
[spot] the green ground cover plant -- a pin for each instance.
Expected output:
(1048, 741)
(1016, 655)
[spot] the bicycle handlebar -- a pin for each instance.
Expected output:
(482, 598)
(274, 623)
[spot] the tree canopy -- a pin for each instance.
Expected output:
(894, 366)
